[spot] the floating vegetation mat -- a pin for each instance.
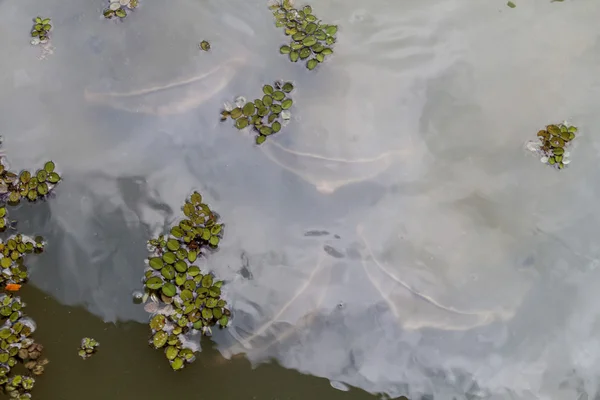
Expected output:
(88, 347)
(184, 300)
(41, 30)
(204, 45)
(552, 144)
(266, 115)
(17, 346)
(117, 8)
(311, 40)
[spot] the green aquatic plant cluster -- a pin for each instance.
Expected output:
(88, 347)
(17, 346)
(27, 185)
(267, 114)
(12, 253)
(311, 40)
(117, 8)
(552, 144)
(183, 298)
(41, 30)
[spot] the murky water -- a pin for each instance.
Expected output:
(395, 237)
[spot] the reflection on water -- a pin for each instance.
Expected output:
(395, 237)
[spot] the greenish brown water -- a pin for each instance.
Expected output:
(126, 367)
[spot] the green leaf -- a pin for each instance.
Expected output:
(169, 289)
(207, 281)
(214, 241)
(173, 244)
(511, 4)
(267, 89)
(168, 272)
(260, 139)
(249, 109)
(154, 283)
(169, 257)
(156, 263)
(285, 49)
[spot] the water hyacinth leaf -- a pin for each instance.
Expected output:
(297, 45)
(159, 339)
(193, 270)
(214, 241)
(286, 104)
(331, 30)
(25, 176)
(305, 53)
(207, 313)
(204, 45)
(276, 127)
(276, 108)
(249, 109)
(181, 266)
(299, 36)
(267, 89)
(287, 87)
(156, 263)
(121, 13)
(224, 320)
(207, 281)
(154, 283)
(158, 322)
(294, 55)
(168, 289)
(278, 95)
(173, 244)
(236, 113)
(260, 139)
(311, 28)
(177, 232)
(186, 295)
(309, 41)
(267, 100)
(180, 279)
(265, 130)
(192, 255)
(168, 272)
(241, 123)
(211, 302)
(312, 64)
(285, 49)
(53, 177)
(327, 51)
(169, 257)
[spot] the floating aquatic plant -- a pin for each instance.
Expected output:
(266, 115)
(88, 347)
(311, 40)
(204, 45)
(17, 346)
(183, 299)
(41, 30)
(13, 271)
(552, 144)
(33, 187)
(117, 8)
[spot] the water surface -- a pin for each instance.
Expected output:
(395, 237)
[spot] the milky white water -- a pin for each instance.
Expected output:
(396, 236)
